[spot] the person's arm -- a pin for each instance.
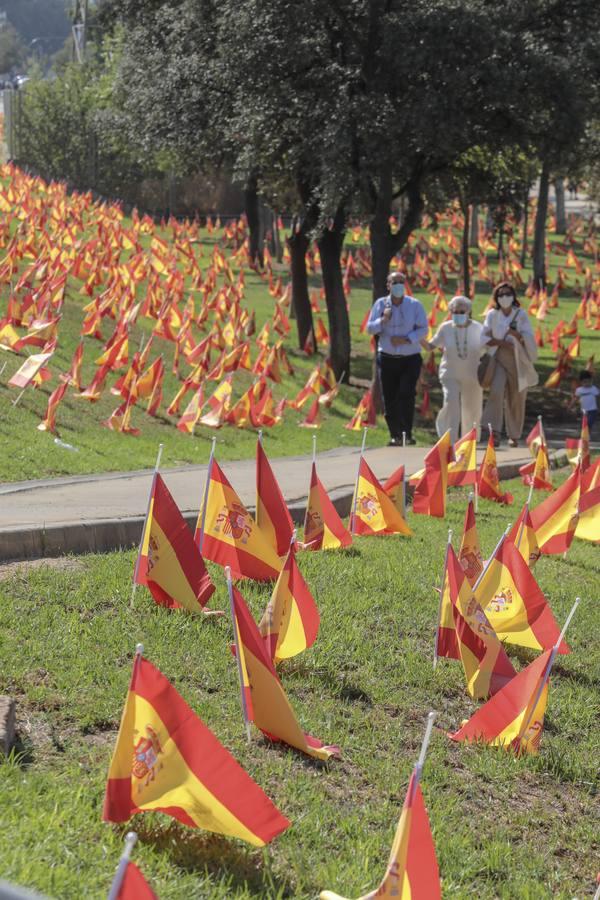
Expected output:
(376, 320)
(420, 328)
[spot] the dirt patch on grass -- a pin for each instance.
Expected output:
(61, 563)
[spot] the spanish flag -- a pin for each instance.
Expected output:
(33, 369)
(134, 886)
(291, 620)
(522, 535)
(323, 528)
(191, 414)
(169, 562)
(536, 437)
(372, 510)
(514, 717)
(365, 415)
(167, 760)
(412, 870)
(514, 604)
(272, 515)
(588, 523)
(231, 537)
(429, 498)
(395, 488)
(469, 554)
(488, 481)
(464, 468)
(555, 519)
(271, 710)
(487, 667)
(537, 474)
(49, 421)
(314, 417)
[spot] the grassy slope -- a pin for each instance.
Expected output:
(30, 454)
(503, 827)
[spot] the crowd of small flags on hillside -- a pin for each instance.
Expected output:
(190, 296)
(485, 608)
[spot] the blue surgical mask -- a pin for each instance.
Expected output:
(460, 318)
(397, 290)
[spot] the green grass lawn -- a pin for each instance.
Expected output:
(32, 454)
(503, 827)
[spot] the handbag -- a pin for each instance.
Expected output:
(485, 370)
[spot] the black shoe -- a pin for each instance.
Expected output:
(410, 442)
(394, 442)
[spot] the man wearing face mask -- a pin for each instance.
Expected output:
(460, 341)
(400, 323)
(511, 343)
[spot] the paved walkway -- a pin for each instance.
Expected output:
(104, 512)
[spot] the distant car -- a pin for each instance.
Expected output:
(20, 80)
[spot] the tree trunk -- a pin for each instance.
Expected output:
(500, 242)
(525, 227)
(384, 244)
(252, 210)
(474, 232)
(466, 275)
(330, 248)
(298, 244)
(561, 215)
(539, 238)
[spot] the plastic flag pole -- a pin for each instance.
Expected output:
(14, 403)
(404, 439)
(238, 655)
(137, 562)
(355, 501)
(3, 368)
(489, 561)
(404, 493)
(314, 455)
(437, 628)
(130, 840)
(206, 488)
(425, 744)
(546, 675)
(475, 489)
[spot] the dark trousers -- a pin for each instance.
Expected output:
(399, 376)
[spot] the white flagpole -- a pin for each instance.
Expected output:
(404, 439)
(404, 492)
(115, 887)
(546, 675)
(14, 402)
(418, 769)
(437, 630)
(238, 655)
(355, 501)
(314, 442)
(475, 491)
(137, 562)
(206, 487)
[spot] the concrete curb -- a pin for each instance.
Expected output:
(107, 535)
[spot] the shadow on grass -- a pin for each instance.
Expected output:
(22, 752)
(213, 854)
(592, 681)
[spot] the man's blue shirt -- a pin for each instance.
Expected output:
(408, 321)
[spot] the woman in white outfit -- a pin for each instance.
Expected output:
(460, 340)
(511, 344)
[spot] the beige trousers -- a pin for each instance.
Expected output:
(505, 403)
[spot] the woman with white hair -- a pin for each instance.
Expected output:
(460, 339)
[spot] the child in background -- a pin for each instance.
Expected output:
(586, 393)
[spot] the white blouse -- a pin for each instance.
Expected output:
(461, 349)
(497, 326)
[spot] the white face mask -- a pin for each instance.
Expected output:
(397, 290)
(505, 301)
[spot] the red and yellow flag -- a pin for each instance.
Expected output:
(169, 562)
(167, 760)
(522, 535)
(395, 488)
(488, 480)
(466, 634)
(290, 622)
(134, 886)
(469, 554)
(372, 510)
(270, 710)
(272, 515)
(218, 405)
(555, 519)
(429, 498)
(514, 604)
(412, 870)
(49, 421)
(588, 523)
(365, 415)
(231, 537)
(323, 528)
(537, 473)
(514, 717)
(32, 370)
(464, 468)
(191, 413)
